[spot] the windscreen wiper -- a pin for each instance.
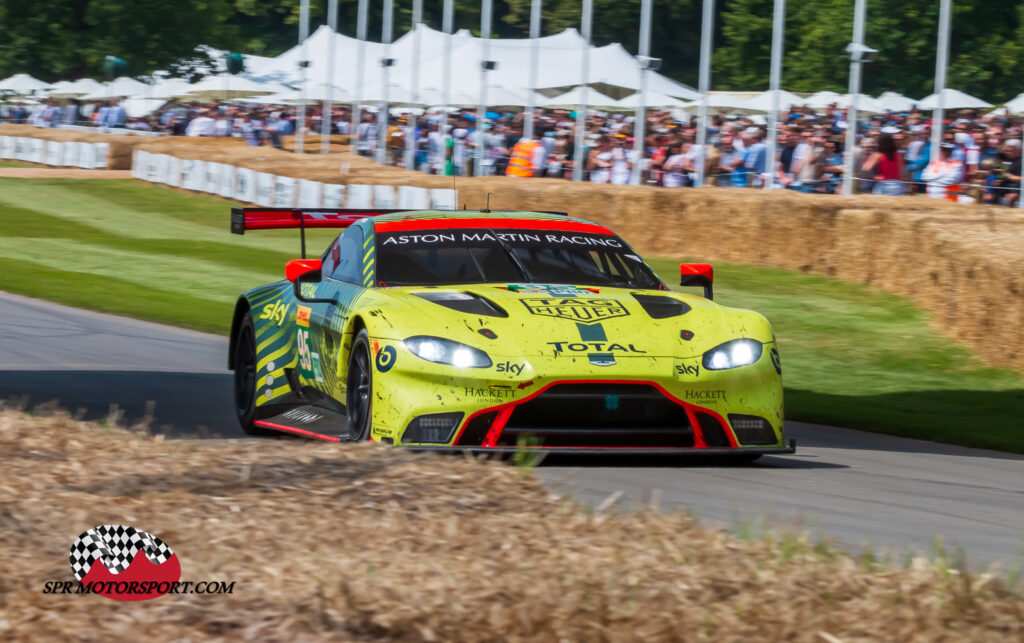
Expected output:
(512, 255)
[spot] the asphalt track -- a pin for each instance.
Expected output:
(855, 488)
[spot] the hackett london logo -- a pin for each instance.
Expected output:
(124, 560)
(584, 311)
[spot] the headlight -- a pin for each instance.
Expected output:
(738, 352)
(445, 351)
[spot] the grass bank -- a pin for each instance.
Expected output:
(383, 544)
(852, 356)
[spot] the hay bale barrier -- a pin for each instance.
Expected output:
(368, 543)
(964, 264)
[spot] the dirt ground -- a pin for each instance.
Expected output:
(371, 543)
(962, 263)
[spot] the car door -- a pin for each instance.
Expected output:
(341, 281)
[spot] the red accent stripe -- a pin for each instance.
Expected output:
(292, 429)
(517, 224)
(505, 412)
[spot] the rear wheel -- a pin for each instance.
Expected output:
(359, 394)
(245, 377)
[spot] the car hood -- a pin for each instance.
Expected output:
(545, 319)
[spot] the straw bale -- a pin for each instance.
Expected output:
(367, 542)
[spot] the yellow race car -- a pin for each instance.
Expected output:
(498, 331)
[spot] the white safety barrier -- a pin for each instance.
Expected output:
(246, 185)
(360, 197)
(413, 198)
(54, 153)
(310, 194)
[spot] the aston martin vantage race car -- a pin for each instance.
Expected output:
(497, 332)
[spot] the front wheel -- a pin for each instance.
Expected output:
(359, 394)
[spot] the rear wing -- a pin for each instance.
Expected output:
(243, 219)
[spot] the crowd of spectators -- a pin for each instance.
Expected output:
(980, 159)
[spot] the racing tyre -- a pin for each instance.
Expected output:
(359, 393)
(245, 377)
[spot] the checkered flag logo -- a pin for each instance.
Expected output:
(115, 546)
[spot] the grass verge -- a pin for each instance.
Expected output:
(372, 543)
(853, 356)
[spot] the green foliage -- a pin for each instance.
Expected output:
(69, 38)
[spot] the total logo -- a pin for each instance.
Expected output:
(594, 347)
(510, 367)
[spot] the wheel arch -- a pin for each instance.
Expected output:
(242, 306)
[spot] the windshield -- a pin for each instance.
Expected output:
(487, 255)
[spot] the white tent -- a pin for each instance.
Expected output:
(21, 85)
(865, 103)
(230, 86)
(167, 88)
(71, 89)
(654, 100)
(119, 88)
(953, 99)
(723, 103)
(896, 102)
(1016, 104)
(571, 100)
(611, 66)
(763, 100)
(314, 93)
(138, 107)
(822, 99)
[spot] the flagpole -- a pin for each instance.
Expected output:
(384, 113)
(778, 42)
(851, 114)
(304, 63)
(528, 116)
(481, 112)
(941, 60)
(325, 120)
(707, 21)
(448, 23)
(640, 124)
(360, 63)
(581, 108)
(414, 85)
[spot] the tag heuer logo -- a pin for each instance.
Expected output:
(584, 311)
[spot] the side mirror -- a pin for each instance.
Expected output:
(698, 274)
(300, 271)
(298, 267)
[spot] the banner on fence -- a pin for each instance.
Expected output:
(227, 181)
(334, 195)
(310, 194)
(174, 171)
(245, 185)
(360, 196)
(444, 199)
(284, 191)
(413, 198)
(100, 152)
(265, 189)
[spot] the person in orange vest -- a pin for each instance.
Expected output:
(944, 175)
(524, 158)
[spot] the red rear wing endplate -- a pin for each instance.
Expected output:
(243, 219)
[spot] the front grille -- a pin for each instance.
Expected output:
(599, 415)
(753, 430)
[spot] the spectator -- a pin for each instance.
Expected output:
(943, 176)
(887, 166)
